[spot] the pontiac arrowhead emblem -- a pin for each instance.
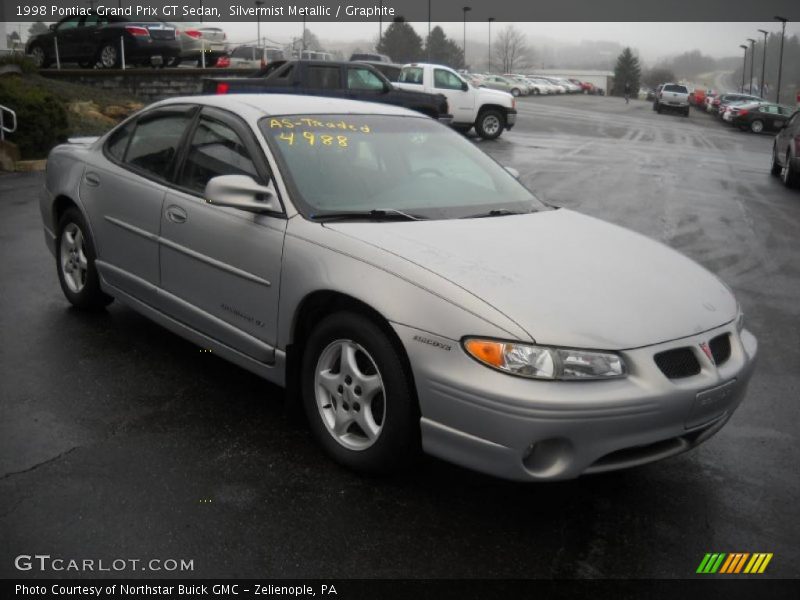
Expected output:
(707, 351)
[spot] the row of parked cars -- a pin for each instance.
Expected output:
(745, 111)
(518, 84)
(106, 41)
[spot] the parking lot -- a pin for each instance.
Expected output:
(119, 439)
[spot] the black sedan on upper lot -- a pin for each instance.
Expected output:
(91, 40)
(762, 116)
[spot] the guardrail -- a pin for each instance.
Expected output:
(4, 129)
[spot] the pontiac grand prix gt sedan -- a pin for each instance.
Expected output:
(399, 282)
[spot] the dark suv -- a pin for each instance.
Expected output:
(91, 40)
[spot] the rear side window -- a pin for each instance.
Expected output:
(323, 78)
(155, 142)
(411, 75)
(676, 88)
(359, 78)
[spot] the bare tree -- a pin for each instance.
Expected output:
(512, 52)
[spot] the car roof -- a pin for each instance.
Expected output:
(256, 106)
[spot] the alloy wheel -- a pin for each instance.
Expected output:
(108, 56)
(756, 126)
(74, 265)
(37, 56)
(350, 394)
(491, 124)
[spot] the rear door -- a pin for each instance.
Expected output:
(124, 192)
(323, 80)
(68, 39)
(221, 267)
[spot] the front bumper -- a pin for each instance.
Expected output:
(511, 118)
(534, 430)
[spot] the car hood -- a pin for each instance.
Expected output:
(500, 95)
(565, 278)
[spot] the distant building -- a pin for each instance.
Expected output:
(603, 80)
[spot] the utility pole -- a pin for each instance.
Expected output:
(744, 64)
(752, 56)
(490, 19)
(428, 43)
(780, 59)
(763, 62)
(466, 9)
(258, 4)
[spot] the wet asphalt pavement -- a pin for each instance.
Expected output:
(121, 440)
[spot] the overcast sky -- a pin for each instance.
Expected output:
(653, 40)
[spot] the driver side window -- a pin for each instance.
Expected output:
(446, 80)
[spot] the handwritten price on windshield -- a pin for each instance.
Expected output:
(313, 139)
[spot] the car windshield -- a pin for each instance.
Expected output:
(361, 163)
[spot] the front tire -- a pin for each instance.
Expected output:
(39, 57)
(75, 261)
(790, 178)
(776, 167)
(358, 396)
(490, 124)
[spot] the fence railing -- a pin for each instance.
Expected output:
(7, 116)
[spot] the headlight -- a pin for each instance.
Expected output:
(544, 362)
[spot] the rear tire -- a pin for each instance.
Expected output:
(75, 262)
(108, 56)
(490, 124)
(757, 126)
(357, 395)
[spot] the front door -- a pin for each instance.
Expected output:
(221, 267)
(460, 102)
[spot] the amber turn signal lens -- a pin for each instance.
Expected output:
(486, 351)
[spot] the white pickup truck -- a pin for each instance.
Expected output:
(489, 111)
(673, 96)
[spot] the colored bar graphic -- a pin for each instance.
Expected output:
(734, 562)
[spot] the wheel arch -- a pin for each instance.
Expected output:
(312, 309)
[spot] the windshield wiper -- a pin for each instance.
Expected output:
(497, 212)
(371, 215)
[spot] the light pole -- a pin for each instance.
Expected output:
(763, 61)
(304, 35)
(258, 3)
(490, 19)
(744, 64)
(466, 9)
(752, 56)
(380, 23)
(428, 43)
(780, 59)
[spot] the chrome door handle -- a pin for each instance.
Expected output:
(92, 179)
(176, 214)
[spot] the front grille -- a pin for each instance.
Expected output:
(678, 363)
(720, 348)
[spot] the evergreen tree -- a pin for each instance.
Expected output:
(443, 51)
(400, 42)
(627, 71)
(36, 28)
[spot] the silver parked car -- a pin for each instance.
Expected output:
(407, 288)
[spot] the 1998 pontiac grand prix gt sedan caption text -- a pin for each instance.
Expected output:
(178, 10)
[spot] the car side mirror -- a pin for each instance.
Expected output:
(387, 87)
(513, 171)
(242, 192)
(464, 86)
(52, 26)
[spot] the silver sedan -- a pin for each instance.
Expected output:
(403, 286)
